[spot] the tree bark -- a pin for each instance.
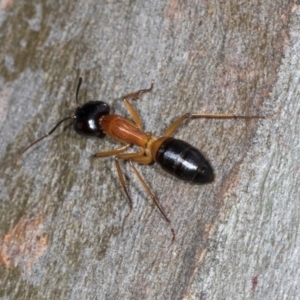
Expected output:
(63, 220)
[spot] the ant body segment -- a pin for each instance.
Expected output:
(175, 156)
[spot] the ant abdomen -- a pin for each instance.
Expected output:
(184, 161)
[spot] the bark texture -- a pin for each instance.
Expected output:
(63, 221)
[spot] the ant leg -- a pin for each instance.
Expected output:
(172, 128)
(124, 184)
(141, 159)
(135, 116)
(136, 95)
(137, 157)
(152, 196)
(145, 160)
(112, 152)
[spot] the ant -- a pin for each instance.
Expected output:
(175, 156)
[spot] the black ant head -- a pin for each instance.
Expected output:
(87, 118)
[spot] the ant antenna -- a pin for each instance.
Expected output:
(77, 90)
(53, 129)
(41, 138)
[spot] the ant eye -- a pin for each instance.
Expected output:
(79, 125)
(87, 118)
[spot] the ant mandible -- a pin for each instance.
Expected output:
(175, 156)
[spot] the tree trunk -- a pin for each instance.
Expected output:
(63, 213)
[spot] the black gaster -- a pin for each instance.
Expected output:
(184, 161)
(87, 118)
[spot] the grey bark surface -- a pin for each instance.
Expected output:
(63, 221)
